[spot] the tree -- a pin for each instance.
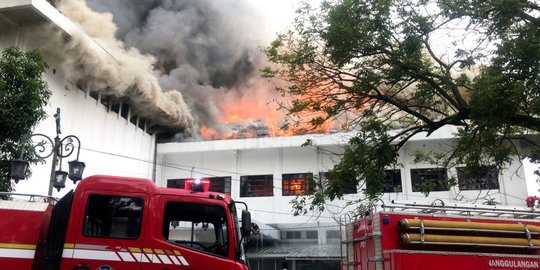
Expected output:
(23, 94)
(394, 69)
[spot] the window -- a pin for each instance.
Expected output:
(149, 130)
(489, 179)
(124, 110)
(312, 235)
(293, 234)
(113, 217)
(133, 119)
(94, 95)
(176, 183)
(392, 181)
(196, 226)
(115, 107)
(350, 189)
(217, 184)
(300, 235)
(81, 87)
(221, 184)
(432, 179)
(297, 184)
(256, 185)
(142, 123)
(332, 234)
(105, 101)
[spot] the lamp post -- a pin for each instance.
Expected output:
(44, 147)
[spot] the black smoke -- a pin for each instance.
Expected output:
(204, 48)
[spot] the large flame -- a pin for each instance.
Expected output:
(251, 116)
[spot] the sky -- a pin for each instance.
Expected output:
(279, 13)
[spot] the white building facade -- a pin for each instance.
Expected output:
(114, 140)
(281, 157)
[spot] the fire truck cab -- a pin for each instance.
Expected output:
(442, 237)
(111, 222)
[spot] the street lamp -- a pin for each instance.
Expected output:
(60, 148)
(18, 169)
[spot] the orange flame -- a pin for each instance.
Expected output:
(249, 117)
(255, 113)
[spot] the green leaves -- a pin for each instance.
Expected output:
(363, 164)
(405, 67)
(23, 94)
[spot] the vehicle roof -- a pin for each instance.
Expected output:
(141, 185)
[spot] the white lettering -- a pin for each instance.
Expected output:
(514, 264)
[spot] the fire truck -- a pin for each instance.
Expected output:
(111, 222)
(404, 236)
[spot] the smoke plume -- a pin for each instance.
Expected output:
(189, 65)
(93, 58)
(207, 49)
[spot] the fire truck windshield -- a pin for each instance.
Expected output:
(197, 226)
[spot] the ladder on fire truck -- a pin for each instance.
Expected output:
(19, 197)
(346, 246)
(437, 207)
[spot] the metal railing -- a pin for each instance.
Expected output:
(462, 210)
(31, 197)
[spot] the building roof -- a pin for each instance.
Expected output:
(20, 12)
(306, 251)
(254, 143)
(333, 139)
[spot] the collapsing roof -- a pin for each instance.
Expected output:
(95, 59)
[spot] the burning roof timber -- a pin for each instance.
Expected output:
(84, 48)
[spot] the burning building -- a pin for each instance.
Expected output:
(112, 75)
(210, 51)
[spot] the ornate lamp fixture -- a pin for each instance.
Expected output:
(59, 149)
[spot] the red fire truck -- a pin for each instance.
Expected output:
(442, 237)
(111, 222)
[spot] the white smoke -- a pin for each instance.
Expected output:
(113, 69)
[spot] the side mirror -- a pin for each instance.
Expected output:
(246, 223)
